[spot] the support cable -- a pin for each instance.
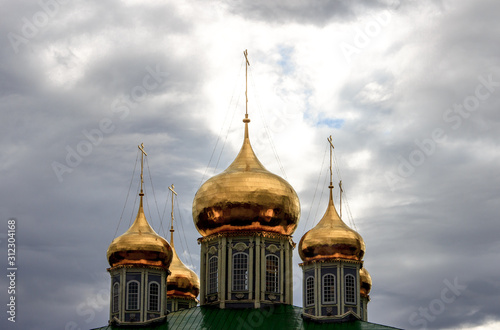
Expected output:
(266, 128)
(156, 202)
(135, 202)
(183, 231)
(315, 191)
(128, 194)
(222, 129)
(344, 194)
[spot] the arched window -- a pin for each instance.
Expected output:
(240, 271)
(133, 295)
(116, 297)
(272, 273)
(213, 282)
(154, 295)
(310, 291)
(328, 289)
(350, 296)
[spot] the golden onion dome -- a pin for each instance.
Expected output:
(366, 282)
(140, 245)
(182, 281)
(246, 197)
(331, 238)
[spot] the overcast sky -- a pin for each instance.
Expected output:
(410, 93)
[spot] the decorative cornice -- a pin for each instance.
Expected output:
(157, 320)
(136, 266)
(249, 234)
(332, 260)
(173, 296)
(338, 318)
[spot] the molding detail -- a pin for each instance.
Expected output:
(239, 295)
(212, 250)
(272, 297)
(239, 246)
(272, 248)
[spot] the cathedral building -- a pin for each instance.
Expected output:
(332, 255)
(140, 261)
(246, 216)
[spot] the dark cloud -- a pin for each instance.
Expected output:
(88, 66)
(316, 12)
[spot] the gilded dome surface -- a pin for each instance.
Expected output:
(182, 281)
(140, 245)
(246, 197)
(331, 238)
(366, 282)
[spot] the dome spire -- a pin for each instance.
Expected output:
(171, 188)
(141, 148)
(140, 260)
(331, 238)
(246, 197)
(183, 284)
(140, 244)
(331, 168)
(247, 64)
(246, 120)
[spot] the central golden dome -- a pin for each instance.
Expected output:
(246, 197)
(140, 245)
(182, 281)
(331, 238)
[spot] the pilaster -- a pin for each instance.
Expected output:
(258, 244)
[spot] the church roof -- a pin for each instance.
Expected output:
(279, 317)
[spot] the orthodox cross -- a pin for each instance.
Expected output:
(247, 64)
(331, 161)
(141, 148)
(171, 188)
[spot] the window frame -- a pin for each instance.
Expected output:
(138, 293)
(157, 296)
(309, 289)
(240, 283)
(213, 274)
(351, 288)
(324, 286)
(273, 275)
(115, 297)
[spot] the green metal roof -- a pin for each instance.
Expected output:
(279, 317)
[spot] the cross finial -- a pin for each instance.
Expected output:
(331, 161)
(247, 64)
(141, 148)
(171, 188)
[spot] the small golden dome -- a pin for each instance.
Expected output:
(366, 282)
(246, 197)
(182, 281)
(331, 238)
(140, 245)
